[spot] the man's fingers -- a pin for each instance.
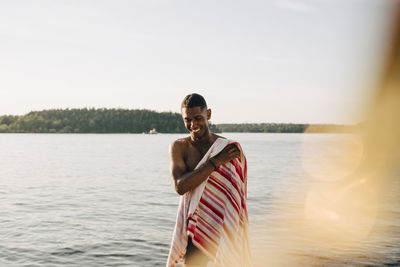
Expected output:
(230, 152)
(233, 145)
(235, 153)
(234, 148)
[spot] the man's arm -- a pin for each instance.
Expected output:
(185, 181)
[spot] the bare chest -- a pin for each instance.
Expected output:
(192, 158)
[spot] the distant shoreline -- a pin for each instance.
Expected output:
(138, 121)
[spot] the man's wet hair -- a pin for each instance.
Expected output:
(194, 100)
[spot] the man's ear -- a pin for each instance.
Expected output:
(208, 114)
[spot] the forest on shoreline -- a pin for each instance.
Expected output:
(103, 120)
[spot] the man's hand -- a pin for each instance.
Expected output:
(229, 153)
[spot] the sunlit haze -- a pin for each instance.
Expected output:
(309, 61)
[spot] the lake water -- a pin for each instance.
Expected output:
(107, 200)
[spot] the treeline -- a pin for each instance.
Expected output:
(91, 120)
(287, 128)
(263, 127)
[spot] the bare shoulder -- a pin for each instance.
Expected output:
(179, 145)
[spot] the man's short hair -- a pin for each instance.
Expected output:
(194, 100)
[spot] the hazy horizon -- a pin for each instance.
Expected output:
(313, 61)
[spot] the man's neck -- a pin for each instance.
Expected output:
(205, 139)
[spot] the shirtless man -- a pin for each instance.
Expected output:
(186, 153)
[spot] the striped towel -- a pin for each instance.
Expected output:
(214, 214)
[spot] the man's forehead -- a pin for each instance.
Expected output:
(193, 111)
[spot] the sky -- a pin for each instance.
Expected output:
(298, 61)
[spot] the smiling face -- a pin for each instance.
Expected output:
(196, 121)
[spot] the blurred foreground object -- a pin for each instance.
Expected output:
(344, 203)
(350, 211)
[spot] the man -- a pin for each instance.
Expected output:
(209, 172)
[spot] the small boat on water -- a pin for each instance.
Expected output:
(153, 131)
